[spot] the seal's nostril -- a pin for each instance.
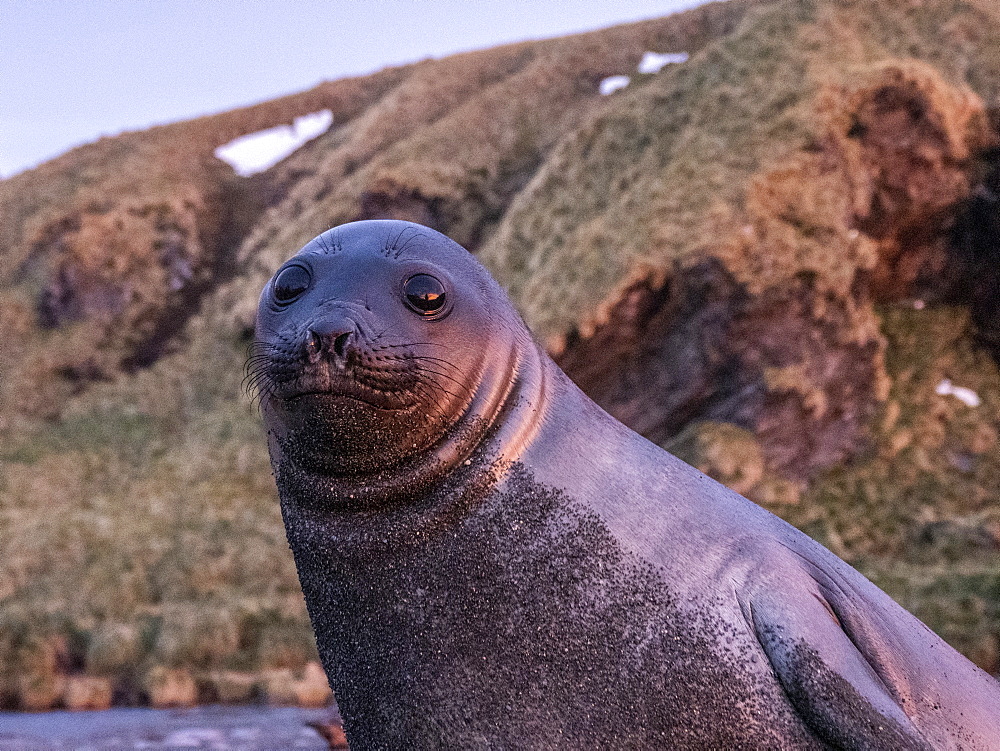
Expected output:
(329, 338)
(314, 345)
(340, 344)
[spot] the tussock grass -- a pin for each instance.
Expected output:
(742, 154)
(145, 532)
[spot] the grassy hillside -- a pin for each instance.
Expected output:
(768, 259)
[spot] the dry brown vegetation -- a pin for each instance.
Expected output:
(767, 258)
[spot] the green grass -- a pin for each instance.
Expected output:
(145, 532)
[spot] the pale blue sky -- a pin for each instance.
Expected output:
(73, 70)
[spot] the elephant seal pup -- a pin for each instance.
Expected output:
(491, 561)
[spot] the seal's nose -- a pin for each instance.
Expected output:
(332, 336)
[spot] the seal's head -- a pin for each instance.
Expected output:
(382, 348)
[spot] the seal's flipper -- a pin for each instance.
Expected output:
(828, 680)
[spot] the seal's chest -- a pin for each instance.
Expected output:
(533, 619)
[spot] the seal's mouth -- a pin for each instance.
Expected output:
(381, 378)
(345, 391)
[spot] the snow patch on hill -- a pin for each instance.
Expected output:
(653, 62)
(258, 151)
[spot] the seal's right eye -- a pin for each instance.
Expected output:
(291, 282)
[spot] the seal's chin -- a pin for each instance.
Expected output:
(327, 401)
(340, 432)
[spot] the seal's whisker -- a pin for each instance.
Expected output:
(408, 344)
(255, 365)
(413, 356)
(259, 393)
(255, 361)
(402, 343)
(253, 377)
(428, 358)
(437, 410)
(259, 372)
(403, 248)
(260, 388)
(255, 355)
(444, 375)
(377, 336)
(439, 387)
(448, 375)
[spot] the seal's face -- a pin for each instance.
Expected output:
(369, 345)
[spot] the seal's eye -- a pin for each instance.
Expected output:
(424, 294)
(291, 282)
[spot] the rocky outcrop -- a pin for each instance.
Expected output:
(690, 265)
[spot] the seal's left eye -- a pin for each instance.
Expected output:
(424, 294)
(291, 282)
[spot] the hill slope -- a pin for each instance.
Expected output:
(770, 259)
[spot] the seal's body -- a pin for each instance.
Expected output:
(492, 561)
